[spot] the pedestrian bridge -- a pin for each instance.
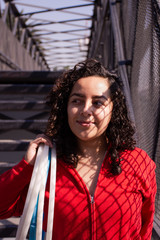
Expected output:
(123, 35)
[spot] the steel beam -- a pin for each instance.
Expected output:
(35, 77)
(37, 124)
(24, 89)
(13, 145)
(9, 62)
(19, 105)
(56, 9)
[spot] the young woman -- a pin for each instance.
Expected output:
(105, 186)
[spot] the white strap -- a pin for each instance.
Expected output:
(31, 198)
(43, 174)
(37, 186)
(51, 194)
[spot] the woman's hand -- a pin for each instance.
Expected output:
(30, 155)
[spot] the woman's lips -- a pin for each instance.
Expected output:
(85, 123)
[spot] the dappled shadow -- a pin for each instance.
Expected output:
(116, 211)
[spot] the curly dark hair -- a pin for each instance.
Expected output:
(120, 130)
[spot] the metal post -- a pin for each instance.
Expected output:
(6, 12)
(15, 26)
(23, 36)
(29, 43)
(33, 51)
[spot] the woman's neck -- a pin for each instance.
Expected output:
(93, 150)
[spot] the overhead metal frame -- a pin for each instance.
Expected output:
(27, 27)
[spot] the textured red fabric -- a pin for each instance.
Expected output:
(122, 208)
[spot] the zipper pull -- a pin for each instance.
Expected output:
(92, 199)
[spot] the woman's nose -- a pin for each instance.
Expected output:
(86, 109)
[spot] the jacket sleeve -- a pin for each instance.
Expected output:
(148, 191)
(13, 189)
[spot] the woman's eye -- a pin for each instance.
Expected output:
(76, 101)
(98, 103)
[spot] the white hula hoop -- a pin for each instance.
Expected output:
(37, 186)
(43, 174)
(51, 194)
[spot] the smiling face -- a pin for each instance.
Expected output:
(89, 108)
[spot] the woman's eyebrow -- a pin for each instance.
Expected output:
(101, 96)
(77, 95)
(96, 96)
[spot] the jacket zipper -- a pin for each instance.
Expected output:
(93, 218)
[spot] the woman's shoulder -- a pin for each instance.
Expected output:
(139, 159)
(137, 154)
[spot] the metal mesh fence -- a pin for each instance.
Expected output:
(130, 42)
(145, 82)
(140, 31)
(136, 29)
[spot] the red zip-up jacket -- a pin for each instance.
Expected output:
(122, 207)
